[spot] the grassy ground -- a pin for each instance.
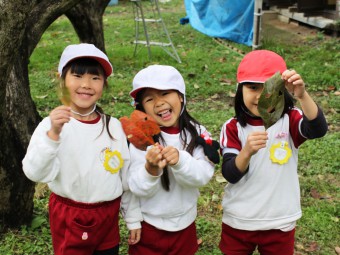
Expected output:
(208, 67)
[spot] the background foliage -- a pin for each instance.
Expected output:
(209, 69)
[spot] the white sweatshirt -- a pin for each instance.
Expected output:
(268, 195)
(175, 209)
(85, 165)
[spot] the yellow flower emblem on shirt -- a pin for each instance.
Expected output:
(113, 161)
(280, 153)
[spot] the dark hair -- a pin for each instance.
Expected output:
(241, 111)
(91, 66)
(186, 124)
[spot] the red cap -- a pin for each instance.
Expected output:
(259, 65)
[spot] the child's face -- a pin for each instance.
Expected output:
(251, 94)
(163, 105)
(85, 90)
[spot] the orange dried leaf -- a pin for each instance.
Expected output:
(140, 129)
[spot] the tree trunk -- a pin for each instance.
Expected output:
(86, 18)
(15, 190)
(17, 121)
(22, 24)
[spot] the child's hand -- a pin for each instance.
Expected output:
(134, 236)
(294, 83)
(255, 141)
(59, 116)
(155, 160)
(171, 155)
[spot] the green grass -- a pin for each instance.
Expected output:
(209, 69)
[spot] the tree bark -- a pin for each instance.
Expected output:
(22, 23)
(86, 18)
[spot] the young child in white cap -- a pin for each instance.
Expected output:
(167, 176)
(82, 154)
(261, 203)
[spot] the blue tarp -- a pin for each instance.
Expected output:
(228, 19)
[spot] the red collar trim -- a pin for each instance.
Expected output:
(254, 121)
(96, 120)
(170, 130)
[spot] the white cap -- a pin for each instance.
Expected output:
(84, 50)
(159, 77)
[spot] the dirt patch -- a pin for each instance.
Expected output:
(292, 32)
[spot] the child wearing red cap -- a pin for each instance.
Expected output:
(82, 154)
(167, 176)
(261, 203)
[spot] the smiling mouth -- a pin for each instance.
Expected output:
(165, 114)
(84, 96)
(82, 93)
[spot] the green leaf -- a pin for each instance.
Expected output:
(37, 222)
(271, 102)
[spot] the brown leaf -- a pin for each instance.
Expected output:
(313, 247)
(315, 194)
(226, 81)
(41, 189)
(222, 60)
(330, 88)
(332, 110)
(299, 246)
(184, 54)
(337, 93)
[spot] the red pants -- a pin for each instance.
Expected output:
(160, 242)
(81, 229)
(268, 242)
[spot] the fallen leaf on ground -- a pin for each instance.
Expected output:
(313, 247)
(226, 81)
(41, 97)
(299, 246)
(220, 179)
(315, 194)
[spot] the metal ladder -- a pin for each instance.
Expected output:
(152, 23)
